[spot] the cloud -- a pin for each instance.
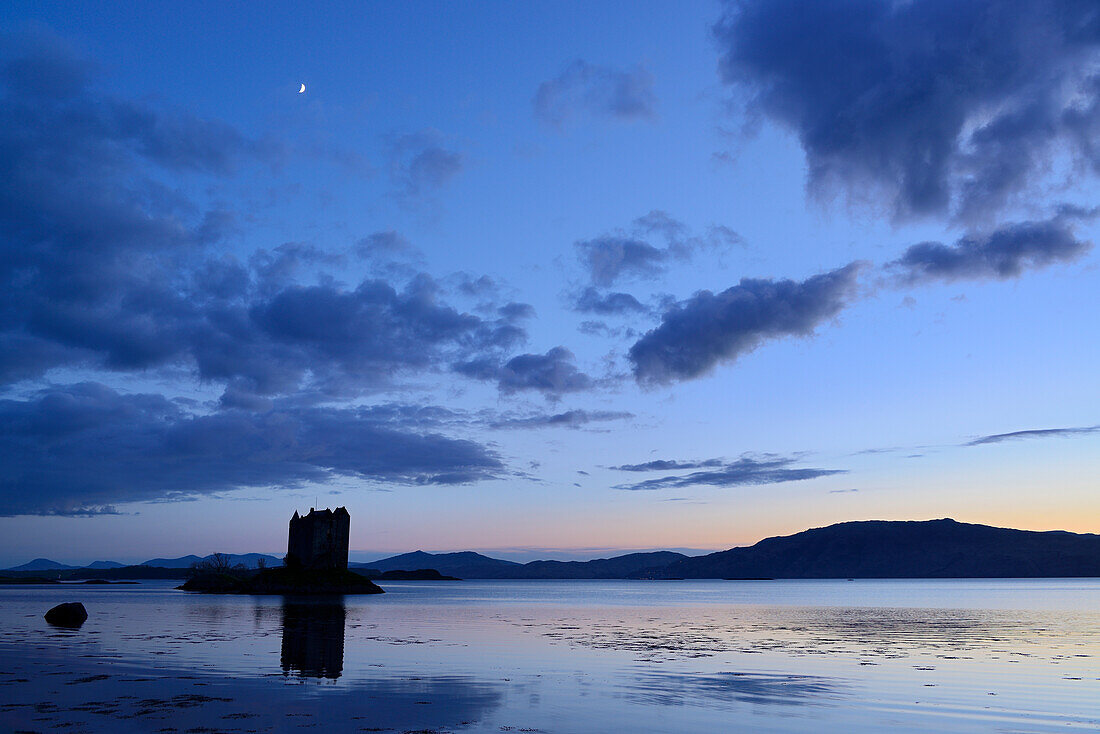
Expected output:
(697, 334)
(592, 301)
(961, 125)
(287, 263)
(745, 471)
(1035, 433)
(553, 373)
(1004, 253)
(82, 448)
(420, 164)
(669, 465)
(610, 258)
(605, 331)
(599, 91)
(386, 248)
(369, 333)
(514, 311)
(630, 252)
(102, 267)
(90, 243)
(568, 419)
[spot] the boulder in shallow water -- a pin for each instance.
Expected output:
(69, 614)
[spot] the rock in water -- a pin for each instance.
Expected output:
(69, 614)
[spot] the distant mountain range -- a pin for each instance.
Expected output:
(867, 549)
(882, 549)
(42, 564)
(251, 560)
(470, 565)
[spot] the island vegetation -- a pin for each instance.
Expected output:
(217, 575)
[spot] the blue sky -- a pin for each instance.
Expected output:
(544, 279)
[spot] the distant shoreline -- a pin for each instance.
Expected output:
(873, 549)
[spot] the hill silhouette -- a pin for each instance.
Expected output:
(864, 549)
(471, 565)
(42, 564)
(464, 564)
(248, 560)
(601, 568)
(902, 549)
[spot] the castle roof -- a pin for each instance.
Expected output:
(318, 514)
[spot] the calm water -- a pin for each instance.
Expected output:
(595, 656)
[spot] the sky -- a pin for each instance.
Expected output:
(544, 279)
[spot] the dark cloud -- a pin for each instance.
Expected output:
(386, 246)
(568, 419)
(1035, 433)
(1004, 253)
(102, 267)
(414, 417)
(1075, 212)
(516, 311)
(697, 334)
(288, 263)
(599, 91)
(630, 252)
(743, 472)
(82, 448)
(553, 373)
(420, 163)
(479, 286)
(942, 106)
(372, 332)
(592, 301)
(604, 330)
(43, 67)
(669, 465)
(91, 246)
(609, 258)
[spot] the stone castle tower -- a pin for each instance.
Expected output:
(320, 539)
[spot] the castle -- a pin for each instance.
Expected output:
(320, 539)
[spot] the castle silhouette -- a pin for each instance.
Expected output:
(319, 540)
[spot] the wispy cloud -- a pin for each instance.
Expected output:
(746, 471)
(644, 249)
(421, 163)
(567, 419)
(668, 465)
(599, 91)
(1034, 433)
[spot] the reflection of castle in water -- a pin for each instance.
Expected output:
(313, 638)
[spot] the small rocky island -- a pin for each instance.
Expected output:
(316, 563)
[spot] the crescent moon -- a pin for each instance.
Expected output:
(302, 89)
